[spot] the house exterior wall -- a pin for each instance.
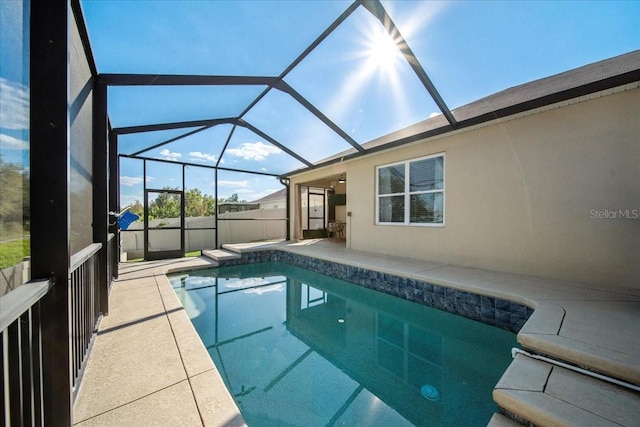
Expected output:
(539, 195)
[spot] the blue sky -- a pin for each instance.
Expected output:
(470, 49)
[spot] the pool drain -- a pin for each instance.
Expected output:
(429, 392)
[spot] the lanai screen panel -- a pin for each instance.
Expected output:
(131, 183)
(81, 152)
(204, 37)
(359, 79)
(163, 175)
(282, 118)
(203, 147)
(14, 142)
(146, 105)
(133, 143)
(251, 152)
(200, 208)
(241, 216)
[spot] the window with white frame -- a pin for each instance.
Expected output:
(411, 192)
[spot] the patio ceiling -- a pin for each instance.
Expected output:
(287, 86)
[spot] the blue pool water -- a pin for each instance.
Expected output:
(297, 348)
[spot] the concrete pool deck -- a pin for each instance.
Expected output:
(148, 366)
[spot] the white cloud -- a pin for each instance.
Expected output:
(14, 107)
(168, 155)
(260, 291)
(10, 143)
(246, 283)
(254, 151)
(235, 184)
(129, 199)
(204, 157)
(434, 114)
(130, 181)
(245, 191)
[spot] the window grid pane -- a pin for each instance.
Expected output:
(391, 209)
(426, 208)
(391, 179)
(419, 183)
(426, 175)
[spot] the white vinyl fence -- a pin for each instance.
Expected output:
(233, 227)
(14, 276)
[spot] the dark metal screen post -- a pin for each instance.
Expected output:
(286, 183)
(145, 212)
(101, 189)
(217, 212)
(50, 147)
(183, 213)
(114, 191)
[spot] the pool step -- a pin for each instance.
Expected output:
(499, 420)
(544, 394)
(220, 254)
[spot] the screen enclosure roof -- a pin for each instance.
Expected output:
(279, 87)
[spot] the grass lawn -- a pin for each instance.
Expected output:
(11, 253)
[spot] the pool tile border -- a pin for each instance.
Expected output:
(486, 309)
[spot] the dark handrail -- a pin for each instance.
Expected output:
(16, 302)
(79, 257)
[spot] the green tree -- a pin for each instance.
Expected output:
(232, 198)
(198, 204)
(193, 202)
(166, 205)
(210, 205)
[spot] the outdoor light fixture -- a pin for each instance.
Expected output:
(342, 180)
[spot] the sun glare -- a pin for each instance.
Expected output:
(383, 51)
(380, 58)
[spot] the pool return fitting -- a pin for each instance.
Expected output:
(634, 387)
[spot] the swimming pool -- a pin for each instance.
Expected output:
(296, 347)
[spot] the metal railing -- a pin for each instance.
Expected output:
(21, 390)
(85, 307)
(21, 311)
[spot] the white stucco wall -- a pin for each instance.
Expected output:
(525, 195)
